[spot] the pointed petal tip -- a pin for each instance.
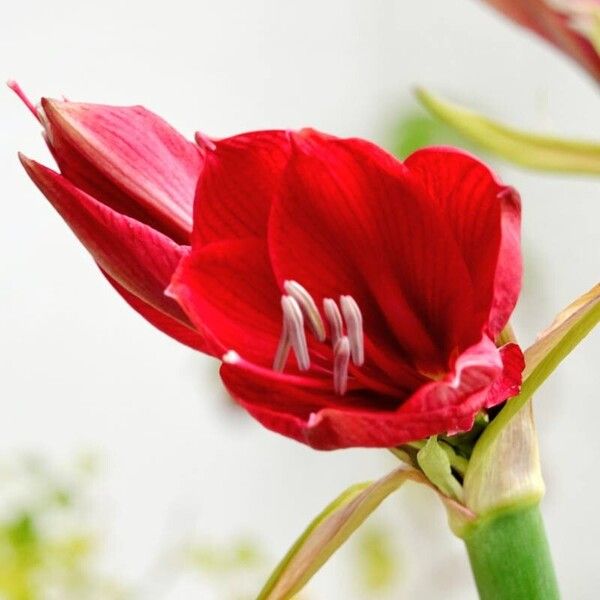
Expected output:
(231, 357)
(204, 142)
(171, 291)
(34, 169)
(59, 112)
(314, 419)
(25, 161)
(37, 171)
(176, 286)
(53, 107)
(509, 194)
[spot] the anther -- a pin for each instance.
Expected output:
(204, 141)
(332, 312)
(354, 326)
(308, 306)
(341, 359)
(294, 323)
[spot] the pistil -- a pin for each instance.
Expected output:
(16, 88)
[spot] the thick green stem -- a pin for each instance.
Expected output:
(510, 556)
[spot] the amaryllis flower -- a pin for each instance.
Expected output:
(573, 26)
(357, 299)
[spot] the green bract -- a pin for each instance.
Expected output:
(504, 467)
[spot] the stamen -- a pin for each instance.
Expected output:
(308, 306)
(16, 88)
(283, 349)
(294, 322)
(354, 325)
(341, 359)
(334, 317)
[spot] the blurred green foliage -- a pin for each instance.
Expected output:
(46, 549)
(416, 128)
(379, 566)
(242, 554)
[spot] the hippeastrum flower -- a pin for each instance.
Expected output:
(356, 299)
(573, 26)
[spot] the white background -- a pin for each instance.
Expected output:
(79, 370)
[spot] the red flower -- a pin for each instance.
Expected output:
(570, 25)
(389, 282)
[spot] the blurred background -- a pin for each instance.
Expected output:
(125, 472)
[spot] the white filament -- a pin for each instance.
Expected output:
(341, 360)
(283, 350)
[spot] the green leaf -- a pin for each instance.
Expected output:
(530, 150)
(328, 531)
(541, 359)
(435, 462)
(569, 327)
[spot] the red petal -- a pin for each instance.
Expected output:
(240, 177)
(509, 270)
(286, 403)
(351, 221)
(135, 150)
(175, 329)
(509, 384)
(326, 421)
(484, 217)
(139, 258)
(83, 174)
(228, 288)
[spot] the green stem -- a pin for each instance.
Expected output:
(510, 556)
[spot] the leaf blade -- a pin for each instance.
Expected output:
(328, 531)
(531, 150)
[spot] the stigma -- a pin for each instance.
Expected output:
(345, 326)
